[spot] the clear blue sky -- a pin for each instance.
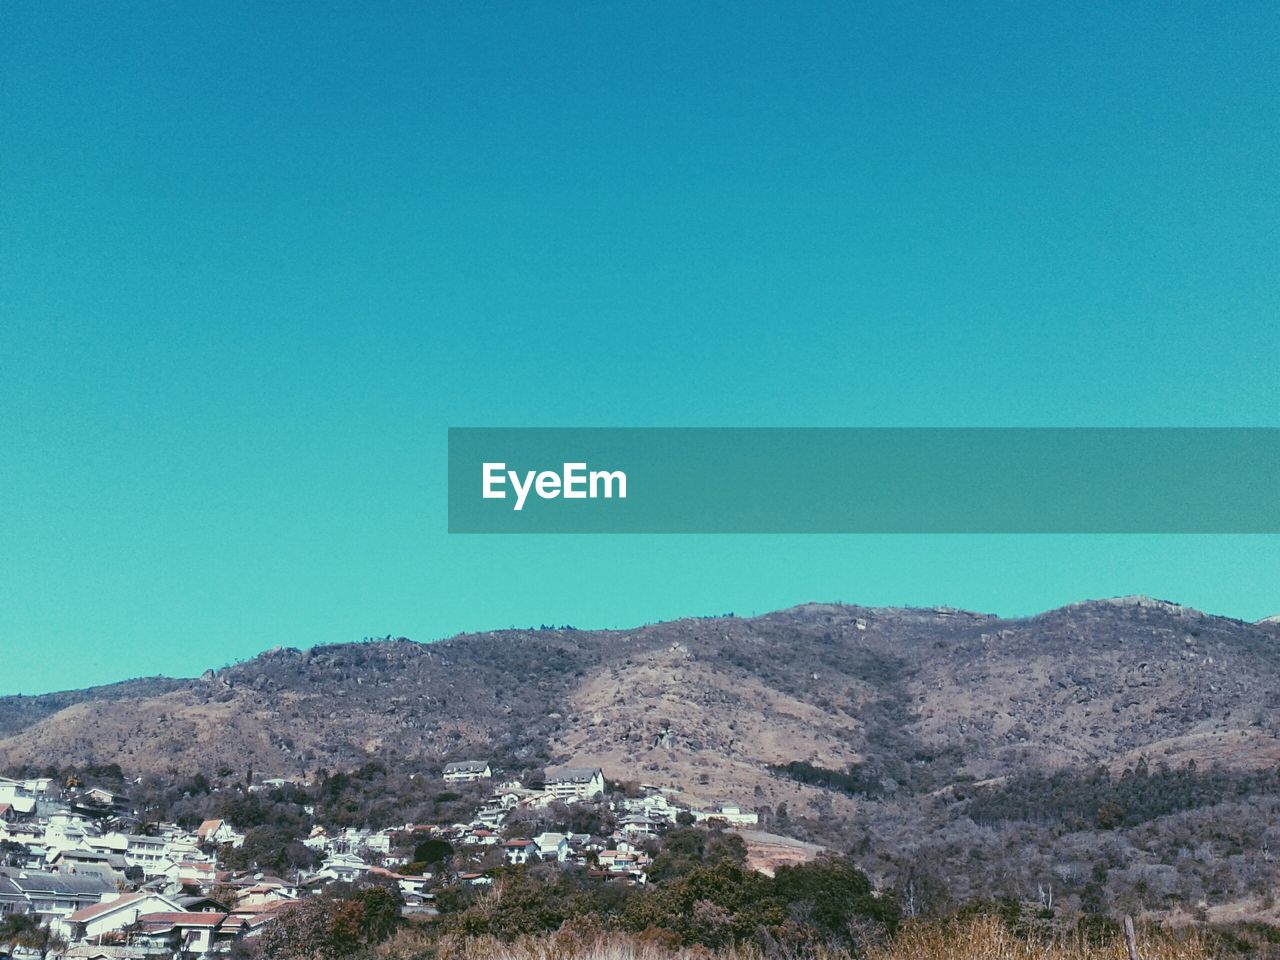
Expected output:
(255, 258)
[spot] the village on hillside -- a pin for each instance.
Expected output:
(89, 878)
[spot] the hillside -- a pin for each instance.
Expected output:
(18, 713)
(708, 704)
(954, 754)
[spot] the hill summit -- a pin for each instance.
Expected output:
(710, 706)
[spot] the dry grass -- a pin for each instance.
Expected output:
(982, 939)
(988, 939)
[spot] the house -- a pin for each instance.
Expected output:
(467, 771)
(575, 783)
(82, 860)
(219, 832)
(264, 888)
(35, 786)
(24, 834)
(104, 797)
(263, 895)
(272, 783)
(12, 898)
(146, 853)
(188, 873)
(110, 916)
(318, 840)
(625, 865)
(341, 866)
(51, 896)
(186, 934)
(728, 813)
(16, 794)
(66, 828)
(638, 824)
(512, 797)
(553, 846)
(481, 837)
(521, 851)
(409, 885)
(182, 848)
(349, 840)
(655, 806)
(98, 803)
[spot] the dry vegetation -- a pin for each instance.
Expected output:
(979, 939)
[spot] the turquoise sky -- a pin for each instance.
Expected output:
(256, 258)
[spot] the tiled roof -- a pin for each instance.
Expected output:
(181, 919)
(65, 884)
(85, 914)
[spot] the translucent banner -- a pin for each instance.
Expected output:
(864, 480)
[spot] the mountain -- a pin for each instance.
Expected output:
(18, 713)
(954, 754)
(924, 697)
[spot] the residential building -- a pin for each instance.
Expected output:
(467, 771)
(575, 783)
(341, 866)
(219, 832)
(51, 895)
(729, 814)
(522, 851)
(553, 846)
(113, 915)
(189, 934)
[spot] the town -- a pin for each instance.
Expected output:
(84, 874)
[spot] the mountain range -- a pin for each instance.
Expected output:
(711, 706)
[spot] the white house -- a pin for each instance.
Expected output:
(575, 783)
(342, 866)
(273, 783)
(112, 915)
(51, 896)
(553, 846)
(729, 813)
(467, 771)
(148, 853)
(263, 896)
(481, 837)
(18, 795)
(219, 832)
(522, 851)
(185, 934)
(638, 824)
(655, 806)
(188, 873)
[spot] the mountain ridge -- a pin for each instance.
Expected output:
(710, 705)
